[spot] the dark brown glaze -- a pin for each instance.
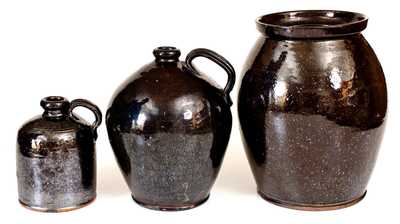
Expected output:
(311, 24)
(169, 128)
(56, 164)
(312, 109)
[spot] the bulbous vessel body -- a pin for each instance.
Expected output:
(169, 128)
(56, 159)
(312, 107)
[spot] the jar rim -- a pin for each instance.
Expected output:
(311, 23)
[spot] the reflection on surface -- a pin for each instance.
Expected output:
(192, 110)
(139, 123)
(280, 93)
(335, 78)
(187, 115)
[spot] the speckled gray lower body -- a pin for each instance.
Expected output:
(56, 182)
(170, 171)
(309, 160)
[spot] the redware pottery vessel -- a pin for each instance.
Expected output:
(169, 128)
(56, 163)
(312, 108)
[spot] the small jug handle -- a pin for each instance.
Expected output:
(219, 60)
(87, 104)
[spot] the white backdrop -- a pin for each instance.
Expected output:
(86, 49)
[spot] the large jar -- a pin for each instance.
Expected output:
(312, 107)
(169, 128)
(56, 158)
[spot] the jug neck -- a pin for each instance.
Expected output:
(166, 55)
(55, 107)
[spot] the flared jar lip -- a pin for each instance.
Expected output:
(309, 24)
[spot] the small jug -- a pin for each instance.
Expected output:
(56, 164)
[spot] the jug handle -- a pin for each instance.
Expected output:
(219, 60)
(87, 104)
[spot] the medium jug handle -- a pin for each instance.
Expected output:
(87, 104)
(219, 60)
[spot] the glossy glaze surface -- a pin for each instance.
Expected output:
(312, 113)
(169, 128)
(56, 164)
(311, 24)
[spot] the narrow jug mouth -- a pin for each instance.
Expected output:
(308, 24)
(167, 54)
(55, 106)
(54, 103)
